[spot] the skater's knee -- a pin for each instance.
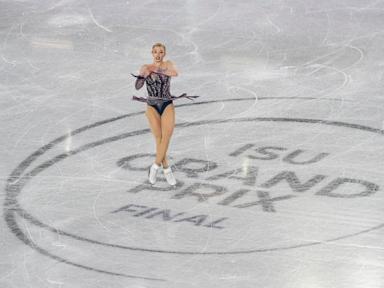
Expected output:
(167, 133)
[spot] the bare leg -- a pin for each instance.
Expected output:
(167, 126)
(155, 125)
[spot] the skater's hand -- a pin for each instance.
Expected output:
(171, 69)
(152, 68)
(145, 70)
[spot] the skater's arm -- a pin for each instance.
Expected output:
(140, 80)
(144, 70)
(169, 70)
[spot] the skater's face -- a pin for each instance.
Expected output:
(158, 53)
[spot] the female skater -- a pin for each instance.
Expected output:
(160, 109)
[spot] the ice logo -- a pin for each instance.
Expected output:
(246, 181)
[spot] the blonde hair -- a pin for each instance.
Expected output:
(159, 45)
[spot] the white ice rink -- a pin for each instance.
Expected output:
(279, 161)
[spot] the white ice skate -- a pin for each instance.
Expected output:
(152, 173)
(169, 176)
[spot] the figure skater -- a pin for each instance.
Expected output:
(160, 109)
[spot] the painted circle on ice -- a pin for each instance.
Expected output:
(19, 178)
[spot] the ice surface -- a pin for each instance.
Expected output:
(279, 162)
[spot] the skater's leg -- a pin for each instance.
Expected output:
(167, 127)
(154, 120)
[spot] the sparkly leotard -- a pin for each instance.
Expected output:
(158, 88)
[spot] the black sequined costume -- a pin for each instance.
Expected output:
(158, 88)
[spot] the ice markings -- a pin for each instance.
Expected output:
(67, 20)
(96, 22)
